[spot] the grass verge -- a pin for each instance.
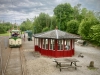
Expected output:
(5, 34)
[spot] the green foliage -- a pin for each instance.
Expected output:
(88, 21)
(8, 26)
(53, 23)
(75, 20)
(95, 35)
(4, 27)
(4, 34)
(97, 14)
(63, 13)
(77, 13)
(84, 29)
(39, 22)
(72, 26)
(42, 21)
(45, 29)
(26, 25)
(84, 12)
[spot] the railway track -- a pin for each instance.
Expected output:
(15, 63)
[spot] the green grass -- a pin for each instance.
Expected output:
(92, 68)
(5, 34)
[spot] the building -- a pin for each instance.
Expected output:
(55, 43)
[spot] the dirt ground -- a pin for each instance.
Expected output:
(42, 65)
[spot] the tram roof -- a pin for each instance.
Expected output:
(56, 34)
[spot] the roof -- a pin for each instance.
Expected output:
(56, 34)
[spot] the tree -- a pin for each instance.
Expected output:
(38, 24)
(44, 21)
(95, 35)
(45, 29)
(53, 23)
(83, 13)
(5, 26)
(26, 25)
(97, 14)
(88, 21)
(84, 29)
(2, 29)
(76, 12)
(72, 26)
(63, 13)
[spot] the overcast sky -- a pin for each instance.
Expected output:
(18, 10)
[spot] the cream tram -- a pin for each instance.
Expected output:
(15, 39)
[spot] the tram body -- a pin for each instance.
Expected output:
(15, 39)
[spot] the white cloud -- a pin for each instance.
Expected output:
(22, 9)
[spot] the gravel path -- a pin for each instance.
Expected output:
(14, 64)
(42, 65)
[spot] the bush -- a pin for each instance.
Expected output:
(45, 29)
(72, 26)
(2, 30)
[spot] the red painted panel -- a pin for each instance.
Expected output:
(59, 53)
(36, 48)
(49, 53)
(65, 53)
(72, 51)
(53, 53)
(42, 52)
